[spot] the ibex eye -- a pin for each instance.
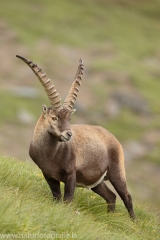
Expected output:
(55, 118)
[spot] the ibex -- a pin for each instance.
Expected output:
(77, 155)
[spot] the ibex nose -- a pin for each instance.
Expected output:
(66, 136)
(69, 134)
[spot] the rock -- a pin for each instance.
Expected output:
(135, 149)
(25, 92)
(25, 117)
(112, 108)
(132, 101)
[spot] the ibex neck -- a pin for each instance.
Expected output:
(42, 146)
(42, 138)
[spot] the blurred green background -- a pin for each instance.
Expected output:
(119, 41)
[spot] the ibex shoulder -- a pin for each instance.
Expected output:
(92, 132)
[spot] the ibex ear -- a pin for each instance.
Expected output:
(73, 111)
(44, 109)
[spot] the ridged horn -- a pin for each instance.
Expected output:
(52, 94)
(72, 94)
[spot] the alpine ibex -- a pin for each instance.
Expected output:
(77, 155)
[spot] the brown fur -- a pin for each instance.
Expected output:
(76, 154)
(81, 159)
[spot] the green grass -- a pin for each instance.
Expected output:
(119, 36)
(26, 207)
(54, 20)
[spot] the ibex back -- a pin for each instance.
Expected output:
(77, 155)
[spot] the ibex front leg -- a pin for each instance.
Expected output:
(69, 188)
(54, 186)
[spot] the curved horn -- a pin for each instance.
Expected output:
(72, 95)
(52, 94)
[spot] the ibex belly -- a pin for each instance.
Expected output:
(91, 144)
(91, 165)
(92, 185)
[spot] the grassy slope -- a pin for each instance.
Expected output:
(26, 206)
(118, 35)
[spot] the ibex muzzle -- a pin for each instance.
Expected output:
(78, 155)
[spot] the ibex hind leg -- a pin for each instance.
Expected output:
(102, 190)
(118, 180)
(117, 177)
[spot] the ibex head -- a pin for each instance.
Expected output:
(57, 117)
